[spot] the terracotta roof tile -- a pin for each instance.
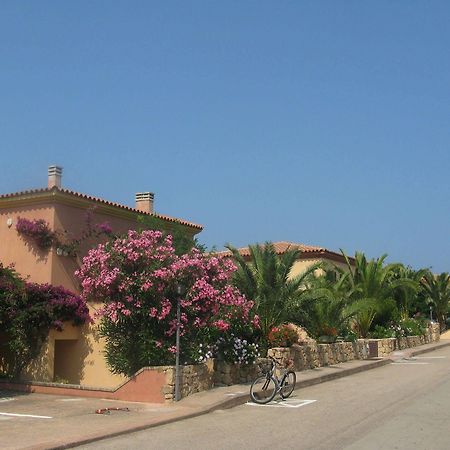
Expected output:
(280, 248)
(283, 246)
(98, 200)
(27, 192)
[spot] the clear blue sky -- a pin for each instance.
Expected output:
(322, 122)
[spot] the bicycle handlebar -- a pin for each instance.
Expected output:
(275, 363)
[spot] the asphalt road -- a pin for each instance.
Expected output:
(405, 405)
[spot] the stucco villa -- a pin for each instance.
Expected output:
(75, 354)
(308, 255)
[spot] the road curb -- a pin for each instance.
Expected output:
(430, 349)
(228, 403)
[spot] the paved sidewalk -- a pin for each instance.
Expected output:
(56, 422)
(445, 335)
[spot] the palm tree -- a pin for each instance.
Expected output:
(266, 280)
(406, 295)
(437, 288)
(369, 278)
(323, 307)
(372, 286)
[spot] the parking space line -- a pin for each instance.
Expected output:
(25, 415)
(408, 363)
(429, 357)
(288, 403)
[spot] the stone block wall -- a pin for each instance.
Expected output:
(226, 374)
(193, 378)
(381, 347)
(384, 347)
(434, 331)
(311, 354)
(200, 377)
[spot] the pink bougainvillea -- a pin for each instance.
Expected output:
(38, 230)
(28, 311)
(138, 278)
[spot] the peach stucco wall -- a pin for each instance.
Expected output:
(302, 264)
(88, 352)
(74, 355)
(14, 249)
(78, 357)
(73, 219)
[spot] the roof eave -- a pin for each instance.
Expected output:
(69, 198)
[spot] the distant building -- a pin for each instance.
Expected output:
(308, 255)
(75, 354)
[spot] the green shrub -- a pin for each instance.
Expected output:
(380, 332)
(412, 327)
(348, 335)
(409, 327)
(325, 316)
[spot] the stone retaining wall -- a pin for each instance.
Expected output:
(312, 355)
(304, 357)
(384, 347)
(193, 378)
(226, 374)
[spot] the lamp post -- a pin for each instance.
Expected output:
(431, 313)
(177, 344)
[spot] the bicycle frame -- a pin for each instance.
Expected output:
(279, 381)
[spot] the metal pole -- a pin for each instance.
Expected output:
(431, 313)
(177, 355)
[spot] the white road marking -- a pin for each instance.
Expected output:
(70, 399)
(25, 415)
(408, 363)
(429, 357)
(6, 399)
(231, 394)
(288, 403)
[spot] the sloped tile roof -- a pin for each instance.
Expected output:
(282, 247)
(33, 192)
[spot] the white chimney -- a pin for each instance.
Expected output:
(54, 176)
(144, 202)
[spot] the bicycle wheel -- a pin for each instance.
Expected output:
(263, 389)
(288, 384)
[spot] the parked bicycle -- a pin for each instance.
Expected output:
(267, 385)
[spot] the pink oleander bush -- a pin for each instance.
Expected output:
(137, 277)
